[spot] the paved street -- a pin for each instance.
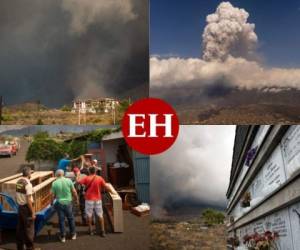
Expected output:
(10, 166)
(135, 236)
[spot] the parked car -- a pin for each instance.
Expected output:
(14, 147)
(6, 150)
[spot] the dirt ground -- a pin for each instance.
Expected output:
(135, 236)
(53, 116)
(187, 235)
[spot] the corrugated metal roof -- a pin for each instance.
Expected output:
(113, 136)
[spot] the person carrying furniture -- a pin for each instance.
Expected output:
(65, 162)
(93, 200)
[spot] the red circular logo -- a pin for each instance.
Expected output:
(150, 126)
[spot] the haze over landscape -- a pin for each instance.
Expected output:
(55, 51)
(189, 175)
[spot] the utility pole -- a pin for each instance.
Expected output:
(79, 108)
(79, 116)
(113, 112)
(1, 104)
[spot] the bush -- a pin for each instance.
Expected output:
(124, 105)
(44, 149)
(212, 216)
(98, 134)
(66, 108)
(75, 148)
(7, 118)
(39, 122)
(41, 135)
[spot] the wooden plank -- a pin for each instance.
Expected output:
(34, 177)
(41, 181)
(8, 179)
(42, 194)
(43, 184)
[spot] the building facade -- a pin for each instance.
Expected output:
(264, 189)
(94, 106)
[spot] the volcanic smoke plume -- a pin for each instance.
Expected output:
(194, 171)
(228, 33)
(229, 59)
(58, 50)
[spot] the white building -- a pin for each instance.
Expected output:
(266, 164)
(94, 106)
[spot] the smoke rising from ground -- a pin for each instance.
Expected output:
(228, 33)
(58, 50)
(196, 168)
(85, 13)
(229, 56)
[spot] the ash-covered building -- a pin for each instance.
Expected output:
(264, 190)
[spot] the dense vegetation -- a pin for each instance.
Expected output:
(43, 147)
(212, 217)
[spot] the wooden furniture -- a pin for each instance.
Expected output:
(115, 211)
(8, 179)
(119, 177)
(41, 182)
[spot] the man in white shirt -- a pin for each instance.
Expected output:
(26, 214)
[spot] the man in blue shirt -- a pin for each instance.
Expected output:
(65, 162)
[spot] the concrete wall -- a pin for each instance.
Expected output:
(261, 133)
(274, 183)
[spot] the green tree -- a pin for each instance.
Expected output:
(66, 108)
(124, 105)
(75, 148)
(98, 134)
(212, 216)
(44, 149)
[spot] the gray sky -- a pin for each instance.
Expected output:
(57, 50)
(195, 169)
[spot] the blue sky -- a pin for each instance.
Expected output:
(176, 28)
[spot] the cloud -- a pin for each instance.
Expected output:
(238, 72)
(229, 58)
(196, 168)
(228, 33)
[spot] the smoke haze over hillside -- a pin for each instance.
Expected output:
(58, 50)
(194, 171)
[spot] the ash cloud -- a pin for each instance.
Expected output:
(190, 171)
(58, 50)
(229, 52)
(228, 33)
